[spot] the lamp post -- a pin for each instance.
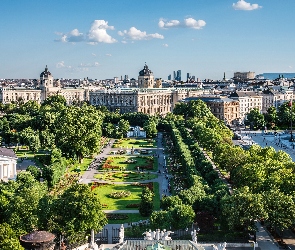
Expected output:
(252, 241)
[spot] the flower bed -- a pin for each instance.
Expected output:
(119, 194)
(135, 205)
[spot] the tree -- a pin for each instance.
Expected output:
(255, 119)
(242, 208)
(8, 239)
(122, 128)
(271, 117)
(23, 206)
(170, 202)
(78, 131)
(30, 138)
(280, 209)
(182, 216)
(284, 114)
(75, 212)
(160, 219)
(150, 127)
(146, 204)
(35, 171)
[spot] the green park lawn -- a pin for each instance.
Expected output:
(120, 204)
(121, 162)
(125, 176)
(135, 143)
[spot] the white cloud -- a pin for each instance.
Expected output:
(72, 36)
(88, 65)
(93, 54)
(243, 5)
(124, 42)
(108, 54)
(187, 23)
(98, 32)
(135, 34)
(62, 64)
(165, 45)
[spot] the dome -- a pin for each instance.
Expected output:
(146, 71)
(45, 73)
(37, 237)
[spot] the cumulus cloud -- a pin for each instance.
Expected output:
(135, 34)
(165, 45)
(72, 36)
(186, 23)
(98, 32)
(243, 5)
(108, 54)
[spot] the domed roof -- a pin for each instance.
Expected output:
(45, 73)
(37, 236)
(146, 71)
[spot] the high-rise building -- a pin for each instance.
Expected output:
(169, 77)
(178, 77)
(188, 76)
(174, 75)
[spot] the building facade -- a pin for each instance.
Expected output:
(8, 161)
(244, 75)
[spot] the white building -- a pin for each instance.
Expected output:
(8, 161)
(248, 100)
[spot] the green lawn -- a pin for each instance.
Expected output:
(80, 167)
(25, 153)
(121, 162)
(125, 176)
(120, 204)
(135, 143)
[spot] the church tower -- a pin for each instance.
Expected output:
(46, 83)
(146, 78)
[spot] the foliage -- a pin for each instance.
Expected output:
(255, 119)
(35, 171)
(8, 238)
(81, 135)
(242, 208)
(146, 205)
(182, 216)
(160, 219)
(76, 211)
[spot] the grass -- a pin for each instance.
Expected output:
(135, 143)
(120, 204)
(121, 162)
(25, 153)
(125, 176)
(82, 166)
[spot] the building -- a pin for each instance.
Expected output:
(244, 76)
(248, 100)
(224, 108)
(8, 161)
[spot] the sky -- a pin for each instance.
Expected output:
(103, 39)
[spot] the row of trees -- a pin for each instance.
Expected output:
(263, 178)
(273, 119)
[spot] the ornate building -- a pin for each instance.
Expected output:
(149, 97)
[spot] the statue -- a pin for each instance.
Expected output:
(166, 235)
(222, 246)
(121, 234)
(157, 234)
(215, 247)
(148, 235)
(194, 236)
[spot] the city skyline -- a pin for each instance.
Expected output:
(106, 39)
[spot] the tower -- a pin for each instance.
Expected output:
(146, 78)
(46, 82)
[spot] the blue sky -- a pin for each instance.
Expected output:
(103, 39)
